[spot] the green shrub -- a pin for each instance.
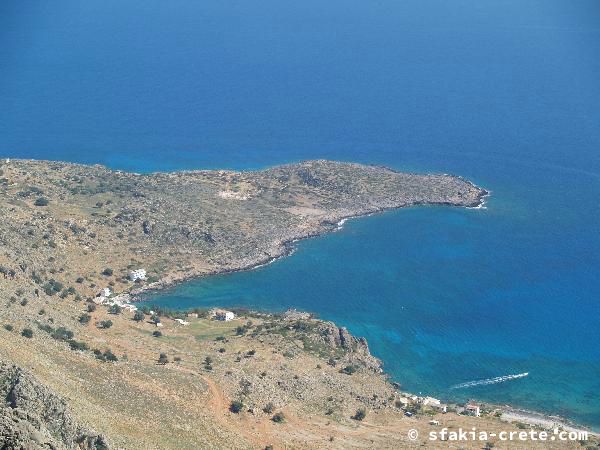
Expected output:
(85, 318)
(52, 287)
(115, 309)
(348, 370)
(8, 327)
(268, 409)
(41, 201)
(77, 345)
(236, 406)
(360, 414)
(62, 334)
(27, 332)
(106, 356)
(278, 418)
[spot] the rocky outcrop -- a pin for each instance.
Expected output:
(33, 417)
(355, 348)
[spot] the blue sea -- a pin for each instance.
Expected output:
(504, 92)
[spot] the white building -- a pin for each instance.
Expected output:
(433, 403)
(139, 274)
(224, 315)
(404, 401)
(473, 409)
(181, 322)
(102, 296)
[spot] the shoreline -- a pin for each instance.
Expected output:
(536, 418)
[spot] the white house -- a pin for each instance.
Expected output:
(224, 315)
(473, 409)
(139, 274)
(404, 401)
(433, 403)
(193, 315)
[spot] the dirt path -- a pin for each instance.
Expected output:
(254, 431)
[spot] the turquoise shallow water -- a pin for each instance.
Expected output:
(504, 92)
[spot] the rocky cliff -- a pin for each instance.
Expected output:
(33, 417)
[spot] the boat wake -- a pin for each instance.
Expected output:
(487, 381)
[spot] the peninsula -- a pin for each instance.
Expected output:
(185, 224)
(79, 374)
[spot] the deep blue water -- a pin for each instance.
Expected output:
(505, 92)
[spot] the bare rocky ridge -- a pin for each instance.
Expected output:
(33, 417)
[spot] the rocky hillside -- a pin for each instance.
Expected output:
(33, 417)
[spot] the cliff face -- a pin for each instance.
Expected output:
(355, 348)
(33, 417)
